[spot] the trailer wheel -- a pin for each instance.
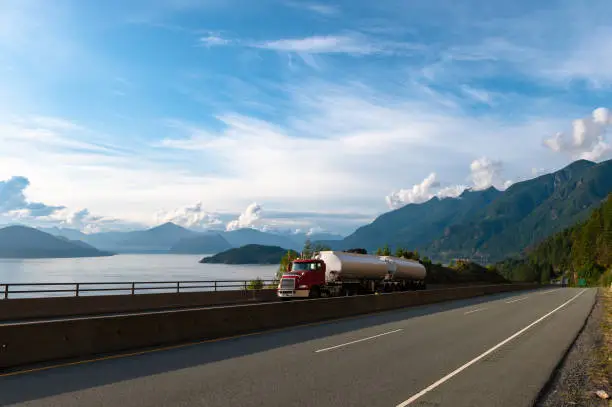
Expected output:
(315, 292)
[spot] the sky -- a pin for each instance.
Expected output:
(287, 114)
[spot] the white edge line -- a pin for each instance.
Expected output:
(549, 291)
(518, 299)
(475, 310)
(491, 350)
(359, 340)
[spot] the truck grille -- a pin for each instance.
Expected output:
(287, 284)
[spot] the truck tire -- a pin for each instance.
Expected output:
(315, 292)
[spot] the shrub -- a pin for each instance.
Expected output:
(256, 284)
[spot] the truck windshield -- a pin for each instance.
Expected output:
(304, 266)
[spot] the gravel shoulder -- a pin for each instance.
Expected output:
(587, 367)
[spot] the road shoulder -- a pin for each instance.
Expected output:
(583, 370)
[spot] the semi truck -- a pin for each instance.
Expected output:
(336, 273)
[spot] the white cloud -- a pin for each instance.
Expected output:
(588, 139)
(190, 216)
(214, 40)
(322, 45)
(486, 173)
(13, 200)
(323, 9)
(352, 43)
(82, 220)
(479, 95)
(417, 194)
(319, 8)
(423, 192)
(247, 219)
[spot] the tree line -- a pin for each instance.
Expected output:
(582, 253)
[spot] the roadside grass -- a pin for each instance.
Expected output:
(601, 375)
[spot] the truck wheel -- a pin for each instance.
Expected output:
(315, 292)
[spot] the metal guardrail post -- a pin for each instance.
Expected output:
(6, 291)
(245, 285)
(133, 288)
(178, 286)
(215, 286)
(77, 289)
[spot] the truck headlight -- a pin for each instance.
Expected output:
(303, 286)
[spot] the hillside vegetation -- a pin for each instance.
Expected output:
(491, 225)
(529, 212)
(249, 254)
(583, 251)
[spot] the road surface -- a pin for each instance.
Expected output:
(490, 351)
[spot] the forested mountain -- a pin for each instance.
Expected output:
(584, 249)
(249, 254)
(491, 224)
(415, 225)
(528, 212)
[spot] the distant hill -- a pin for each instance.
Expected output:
(247, 236)
(528, 212)
(68, 233)
(24, 242)
(249, 254)
(165, 239)
(158, 239)
(203, 244)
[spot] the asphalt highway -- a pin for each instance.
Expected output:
(489, 351)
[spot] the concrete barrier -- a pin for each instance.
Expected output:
(38, 308)
(34, 342)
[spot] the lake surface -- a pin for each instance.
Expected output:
(126, 268)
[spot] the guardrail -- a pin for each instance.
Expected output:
(33, 290)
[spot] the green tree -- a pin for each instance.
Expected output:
(386, 251)
(318, 248)
(308, 250)
(284, 263)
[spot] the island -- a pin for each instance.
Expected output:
(249, 254)
(21, 242)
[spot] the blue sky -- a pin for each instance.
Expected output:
(289, 114)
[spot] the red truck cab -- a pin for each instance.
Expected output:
(304, 278)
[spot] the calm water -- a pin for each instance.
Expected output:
(126, 267)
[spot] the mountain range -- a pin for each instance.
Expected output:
(171, 238)
(490, 225)
(483, 225)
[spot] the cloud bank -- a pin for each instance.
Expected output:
(190, 217)
(14, 201)
(588, 138)
(247, 219)
(484, 173)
